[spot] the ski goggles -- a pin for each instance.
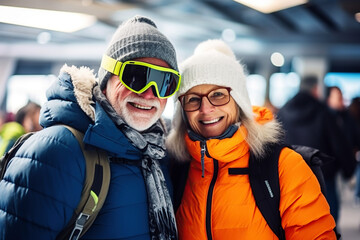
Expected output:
(139, 76)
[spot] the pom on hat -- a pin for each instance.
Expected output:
(214, 45)
(138, 37)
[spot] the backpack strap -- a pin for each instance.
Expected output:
(94, 192)
(315, 159)
(265, 186)
(5, 159)
(179, 172)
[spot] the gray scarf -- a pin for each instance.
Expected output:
(151, 144)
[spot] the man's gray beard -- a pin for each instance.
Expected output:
(137, 122)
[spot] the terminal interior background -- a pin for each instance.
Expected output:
(278, 44)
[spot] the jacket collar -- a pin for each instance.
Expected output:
(105, 135)
(228, 147)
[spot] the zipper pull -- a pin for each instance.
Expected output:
(203, 149)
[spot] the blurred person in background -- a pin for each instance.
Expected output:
(26, 120)
(2, 117)
(215, 131)
(354, 110)
(28, 116)
(343, 117)
(119, 114)
(308, 121)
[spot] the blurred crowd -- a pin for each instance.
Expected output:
(12, 126)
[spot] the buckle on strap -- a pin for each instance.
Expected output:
(79, 225)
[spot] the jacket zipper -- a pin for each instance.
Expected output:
(210, 196)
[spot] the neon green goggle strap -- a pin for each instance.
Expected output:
(111, 65)
(114, 66)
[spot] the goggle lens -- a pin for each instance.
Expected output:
(139, 78)
(134, 77)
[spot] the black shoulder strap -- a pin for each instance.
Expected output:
(315, 159)
(264, 182)
(5, 159)
(179, 172)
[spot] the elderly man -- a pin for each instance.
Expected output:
(119, 114)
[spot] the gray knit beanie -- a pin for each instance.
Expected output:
(136, 38)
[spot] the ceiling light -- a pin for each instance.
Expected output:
(46, 19)
(269, 6)
(277, 59)
(44, 37)
(228, 35)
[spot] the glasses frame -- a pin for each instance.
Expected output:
(117, 68)
(180, 98)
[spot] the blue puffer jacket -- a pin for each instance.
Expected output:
(43, 183)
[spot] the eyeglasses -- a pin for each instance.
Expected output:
(139, 76)
(217, 97)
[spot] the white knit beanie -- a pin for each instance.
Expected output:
(215, 63)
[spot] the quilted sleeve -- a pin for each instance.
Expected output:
(304, 210)
(42, 186)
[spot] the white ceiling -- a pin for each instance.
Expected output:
(320, 28)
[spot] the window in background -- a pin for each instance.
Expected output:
(24, 88)
(349, 83)
(256, 86)
(283, 86)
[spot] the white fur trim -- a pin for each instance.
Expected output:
(84, 80)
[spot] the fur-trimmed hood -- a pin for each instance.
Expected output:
(84, 80)
(70, 99)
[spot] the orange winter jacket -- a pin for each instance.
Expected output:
(221, 206)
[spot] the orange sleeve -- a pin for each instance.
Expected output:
(304, 210)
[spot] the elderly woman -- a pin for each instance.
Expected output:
(216, 130)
